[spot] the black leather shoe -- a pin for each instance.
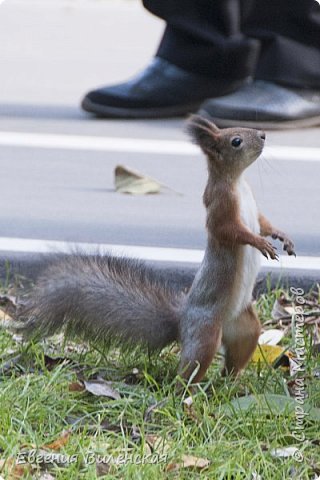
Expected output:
(161, 90)
(263, 104)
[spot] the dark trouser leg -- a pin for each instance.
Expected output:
(202, 55)
(289, 31)
(203, 36)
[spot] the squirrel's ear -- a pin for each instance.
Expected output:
(202, 131)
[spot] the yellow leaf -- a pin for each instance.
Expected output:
(267, 353)
(188, 461)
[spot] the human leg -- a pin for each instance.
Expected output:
(286, 89)
(202, 54)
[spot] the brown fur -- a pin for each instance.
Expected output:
(125, 302)
(267, 230)
(226, 234)
(200, 356)
(224, 223)
(241, 341)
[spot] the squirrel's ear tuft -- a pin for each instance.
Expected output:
(202, 131)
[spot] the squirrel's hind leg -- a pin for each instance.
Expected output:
(240, 338)
(198, 350)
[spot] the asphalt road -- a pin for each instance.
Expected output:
(61, 187)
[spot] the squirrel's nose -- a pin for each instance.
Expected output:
(262, 134)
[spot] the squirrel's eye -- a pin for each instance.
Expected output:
(236, 142)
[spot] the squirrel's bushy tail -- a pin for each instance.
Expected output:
(104, 299)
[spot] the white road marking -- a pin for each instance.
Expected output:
(163, 254)
(138, 145)
(84, 142)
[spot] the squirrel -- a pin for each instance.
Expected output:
(124, 301)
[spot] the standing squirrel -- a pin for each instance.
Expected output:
(123, 301)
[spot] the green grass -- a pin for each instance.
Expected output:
(36, 406)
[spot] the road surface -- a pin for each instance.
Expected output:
(57, 163)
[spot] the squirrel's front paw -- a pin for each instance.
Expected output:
(288, 245)
(267, 249)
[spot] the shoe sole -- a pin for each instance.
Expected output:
(160, 112)
(286, 125)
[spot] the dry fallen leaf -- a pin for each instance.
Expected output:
(290, 310)
(129, 181)
(52, 362)
(283, 452)
(14, 471)
(158, 444)
(4, 317)
(8, 307)
(5, 320)
(76, 387)
(189, 461)
(102, 468)
(147, 449)
(271, 337)
(278, 309)
(47, 476)
(59, 442)
(101, 388)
